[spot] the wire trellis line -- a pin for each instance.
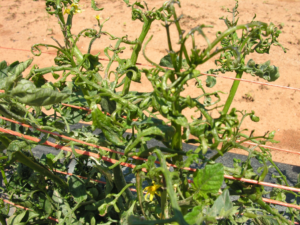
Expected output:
(205, 74)
(128, 164)
(25, 50)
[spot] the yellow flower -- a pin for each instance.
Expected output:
(67, 11)
(151, 191)
(98, 17)
(76, 8)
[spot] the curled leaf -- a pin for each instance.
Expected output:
(94, 6)
(26, 92)
(264, 70)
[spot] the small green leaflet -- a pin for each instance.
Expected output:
(94, 6)
(209, 179)
(77, 189)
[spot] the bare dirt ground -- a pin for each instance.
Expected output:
(25, 22)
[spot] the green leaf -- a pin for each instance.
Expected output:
(107, 105)
(26, 92)
(94, 192)
(223, 206)
(95, 7)
(195, 216)
(210, 178)
(210, 81)
(7, 82)
(55, 76)
(165, 131)
(131, 70)
(22, 67)
(125, 215)
(166, 61)
(73, 150)
(103, 209)
(56, 197)
(15, 69)
(181, 120)
(254, 118)
(43, 139)
(9, 68)
(77, 189)
(46, 205)
(22, 218)
(15, 146)
(60, 155)
(104, 123)
(15, 154)
(3, 65)
(263, 70)
(91, 62)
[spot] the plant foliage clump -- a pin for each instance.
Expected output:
(167, 191)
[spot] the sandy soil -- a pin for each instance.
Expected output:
(25, 22)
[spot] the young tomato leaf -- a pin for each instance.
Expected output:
(77, 189)
(104, 123)
(22, 218)
(223, 206)
(210, 178)
(26, 92)
(166, 61)
(195, 216)
(94, 6)
(210, 81)
(20, 68)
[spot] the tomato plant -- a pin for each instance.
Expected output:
(171, 196)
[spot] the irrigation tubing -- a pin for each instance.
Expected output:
(122, 163)
(205, 74)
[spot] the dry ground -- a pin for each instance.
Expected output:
(25, 22)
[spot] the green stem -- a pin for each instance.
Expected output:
(68, 36)
(112, 58)
(172, 195)
(139, 190)
(176, 140)
(230, 31)
(279, 171)
(180, 33)
(48, 70)
(136, 51)
(232, 93)
(227, 147)
(265, 206)
(120, 182)
(3, 173)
